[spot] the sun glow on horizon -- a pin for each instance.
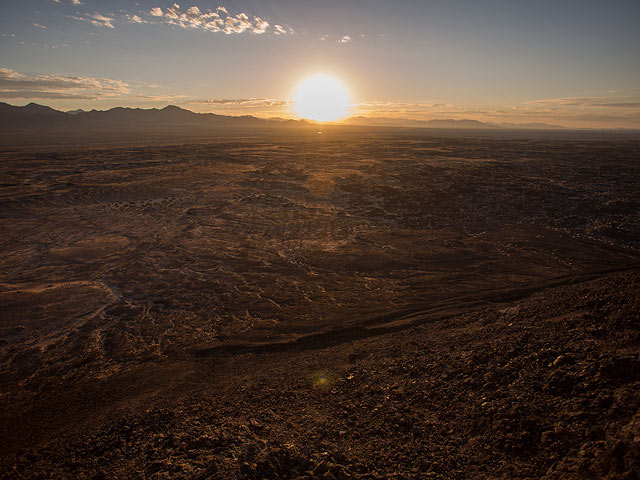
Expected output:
(322, 98)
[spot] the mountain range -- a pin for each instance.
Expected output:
(445, 123)
(34, 116)
(38, 117)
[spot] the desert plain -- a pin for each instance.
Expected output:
(336, 304)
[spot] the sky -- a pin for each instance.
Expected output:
(574, 63)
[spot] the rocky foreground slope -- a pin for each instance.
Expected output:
(546, 387)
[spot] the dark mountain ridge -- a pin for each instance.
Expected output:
(123, 118)
(34, 115)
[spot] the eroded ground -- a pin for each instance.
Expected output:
(166, 281)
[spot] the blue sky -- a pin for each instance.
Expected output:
(574, 63)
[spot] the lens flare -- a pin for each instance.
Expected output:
(321, 379)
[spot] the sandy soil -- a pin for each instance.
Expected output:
(328, 306)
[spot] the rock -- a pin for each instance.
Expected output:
(320, 468)
(256, 424)
(562, 360)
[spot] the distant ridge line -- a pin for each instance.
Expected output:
(35, 117)
(445, 123)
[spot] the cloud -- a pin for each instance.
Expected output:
(18, 85)
(76, 3)
(195, 18)
(566, 112)
(237, 24)
(173, 11)
(160, 98)
(260, 26)
(135, 19)
(193, 12)
(97, 19)
(218, 20)
(39, 26)
(587, 102)
(345, 39)
(264, 107)
(621, 104)
(246, 102)
(405, 106)
(26, 94)
(280, 30)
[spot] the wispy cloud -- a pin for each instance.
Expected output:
(626, 102)
(193, 18)
(589, 112)
(15, 85)
(39, 26)
(280, 30)
(218, 20)
(245, 102)
(36, 94)
(97, 19)
(18, 85)
(135, 19)
(261, 107)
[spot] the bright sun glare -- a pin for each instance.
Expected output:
(322, 98)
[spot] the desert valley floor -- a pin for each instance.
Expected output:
(337, 305)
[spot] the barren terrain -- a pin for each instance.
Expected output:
(324, 305)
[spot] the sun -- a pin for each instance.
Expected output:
(321, 98)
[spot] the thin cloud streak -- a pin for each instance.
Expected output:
(570, 112)
(587, 102)
(35, 94)
(253, 102)
(96, 19)
(17, 85)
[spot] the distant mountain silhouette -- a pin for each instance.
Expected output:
(32, 115)
(534, 126)
(35, 123)
(406, 122)
(39, 125)
(38, 116)
(447, 123)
